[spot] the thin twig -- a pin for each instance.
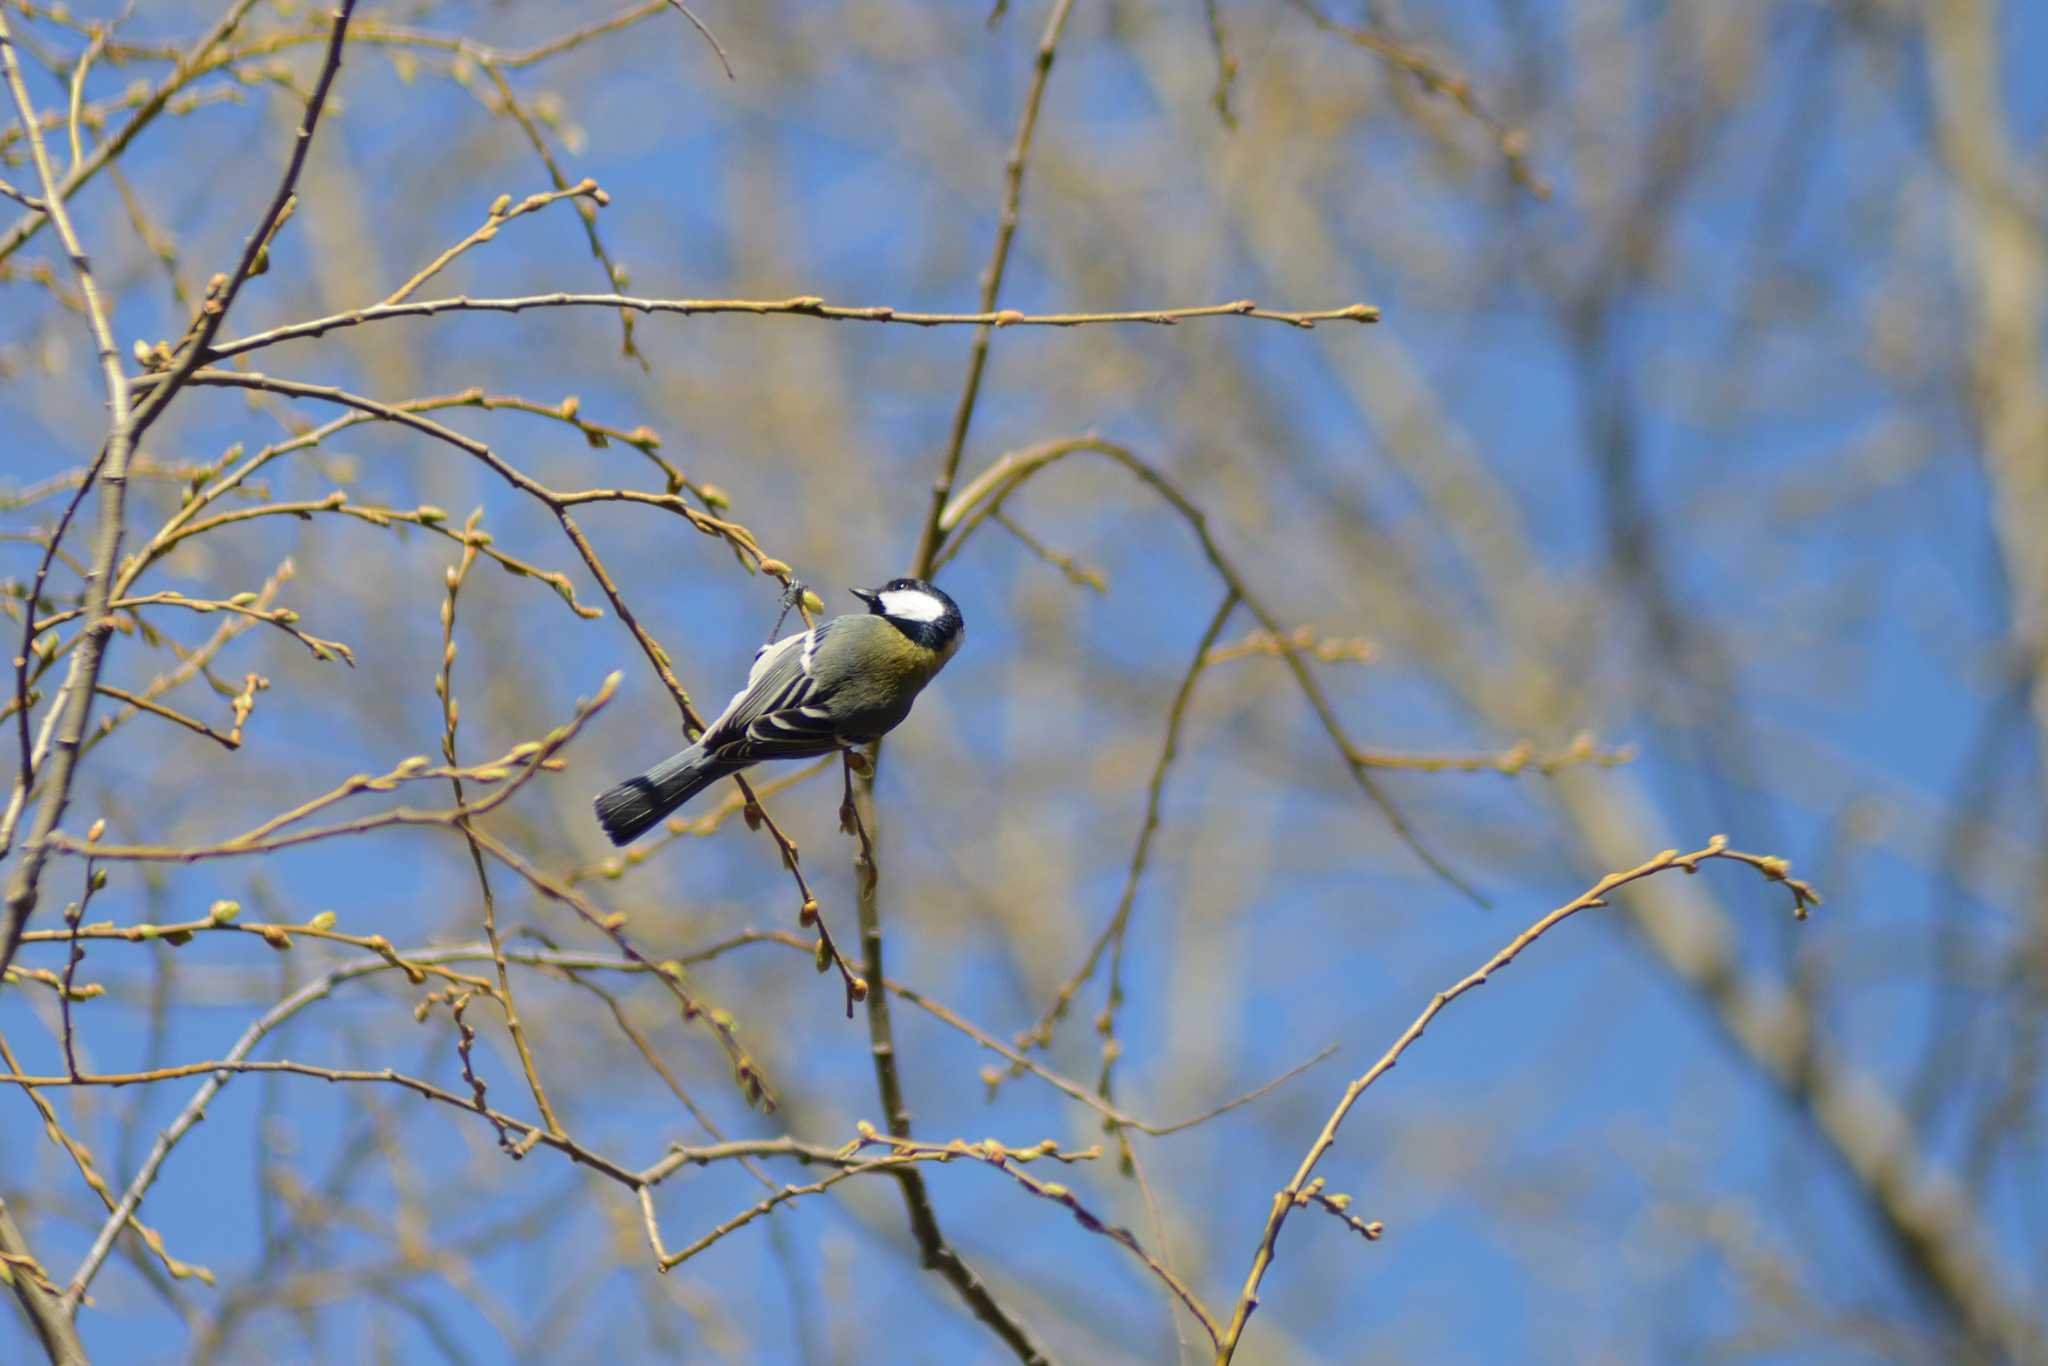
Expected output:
(178, 718)
(1512, 142)
(992, 282)
(40, 1299)
(984, 496)
(444, 688)
(559, 503)
(614, 273)
(1040, 1034)
(74, 701)
(501, 212)
(1290, 1196)
(746, 1072)
(510, 772)
(283, 618)
(25, 773)
(798, 306)
(207, 324)
(191, 64)
(939, 1254)
(82, 1158)
(709, 36)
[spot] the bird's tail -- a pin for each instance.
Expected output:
(634, 807)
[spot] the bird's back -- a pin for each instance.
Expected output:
(872, 674)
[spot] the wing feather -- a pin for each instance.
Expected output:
(780, 714)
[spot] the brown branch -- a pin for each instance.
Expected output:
(1338, 1207)
(214, 311)
(81, 1157)
(1076, 573)
(415, 963)
(188, 522)
(1113, 1117)
(939, 1255)
(746, 1073)
(798, 306)
(1004, 1159)
(1942, 1240)
(501, 212)
(1520, 757)
(1040, 1034)
(1291, 1195)
(237, 1061)
(709, 37)
(68, 987)
(444, 688)
(74, 702)
(665, 1261)
(534, 1134)
(283, 618)
(39, 1298)
(901, 1156)
(178, 718)
(559, 503)
(614, 273)
(939, 1011)
(210, 55)
(991, 283)
(1511, 142)
(422, 962)
(532, 56)
(190, 65)
(25, 773)
(510, 772)
(96, 114)
(27, 201)
(936, 1253)
(984, 497)
(189, 664)
(1329, 650)
(197, 660)
(574, 973)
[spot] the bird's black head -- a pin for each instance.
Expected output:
(918, 609)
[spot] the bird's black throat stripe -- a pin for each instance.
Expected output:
(932, 635)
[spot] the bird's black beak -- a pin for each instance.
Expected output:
(868, 596)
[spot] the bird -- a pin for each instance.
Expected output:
(841, 684)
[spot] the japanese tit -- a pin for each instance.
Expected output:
(844, 682)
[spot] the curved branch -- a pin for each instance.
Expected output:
(984, 497)
(74, 702)
(796, 306)
(1297, 1191)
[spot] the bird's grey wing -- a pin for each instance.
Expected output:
(781, 712)
(766, 659)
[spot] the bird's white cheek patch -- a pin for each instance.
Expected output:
(912, 605)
